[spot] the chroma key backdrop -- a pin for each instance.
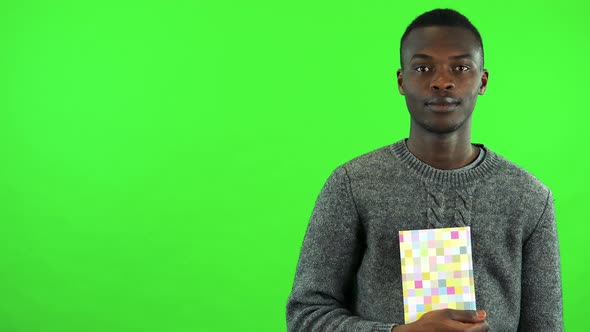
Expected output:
(160, 159)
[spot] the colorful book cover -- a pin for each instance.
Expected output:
(437, 270)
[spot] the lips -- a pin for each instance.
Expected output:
(442, 104)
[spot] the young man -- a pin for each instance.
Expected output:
(349, 277)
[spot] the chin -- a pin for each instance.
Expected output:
(441, 131)
(442, 124)
(442, 128)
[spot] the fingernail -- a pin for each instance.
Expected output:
(481, 313)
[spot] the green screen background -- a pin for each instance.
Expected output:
(160, 159)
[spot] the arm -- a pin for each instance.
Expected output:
(330, 255)
(541, 297)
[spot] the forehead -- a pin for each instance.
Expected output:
(443, 41)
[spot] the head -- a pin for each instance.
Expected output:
(442, 71)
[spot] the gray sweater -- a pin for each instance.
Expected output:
(348, 276)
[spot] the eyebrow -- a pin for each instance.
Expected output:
(454, 57)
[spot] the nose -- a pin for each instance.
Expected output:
(442, 81)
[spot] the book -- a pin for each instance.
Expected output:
(437, 270)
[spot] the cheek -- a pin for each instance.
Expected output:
(413, 100)
(413, 90)
(413, 84)
(472, 94)
(476, 88)
(474, 83)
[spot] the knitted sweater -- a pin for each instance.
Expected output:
(348, 277)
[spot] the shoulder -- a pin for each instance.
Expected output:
(515, 177)
(514, 190)
(373, 164)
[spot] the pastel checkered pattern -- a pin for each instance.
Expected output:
(437, 270)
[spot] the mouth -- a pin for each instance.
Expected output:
(442, 105)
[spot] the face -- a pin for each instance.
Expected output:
(441, 77)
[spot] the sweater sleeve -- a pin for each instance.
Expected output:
(330, 255)
(541, 296)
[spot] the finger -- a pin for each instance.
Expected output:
(467, 316)
(479, 327)
(454, 325)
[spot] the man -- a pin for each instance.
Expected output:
(348, 276)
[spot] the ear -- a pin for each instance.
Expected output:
(400, 81)
(484, 82)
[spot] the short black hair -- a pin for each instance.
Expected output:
(441, 17)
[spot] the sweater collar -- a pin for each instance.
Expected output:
(444, 177)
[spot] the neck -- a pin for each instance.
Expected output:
(443, 151)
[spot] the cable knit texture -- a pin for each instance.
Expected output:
(348, 277)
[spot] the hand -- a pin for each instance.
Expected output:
(448, 320)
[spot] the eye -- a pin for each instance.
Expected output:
(421, 69)
(462, 68)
